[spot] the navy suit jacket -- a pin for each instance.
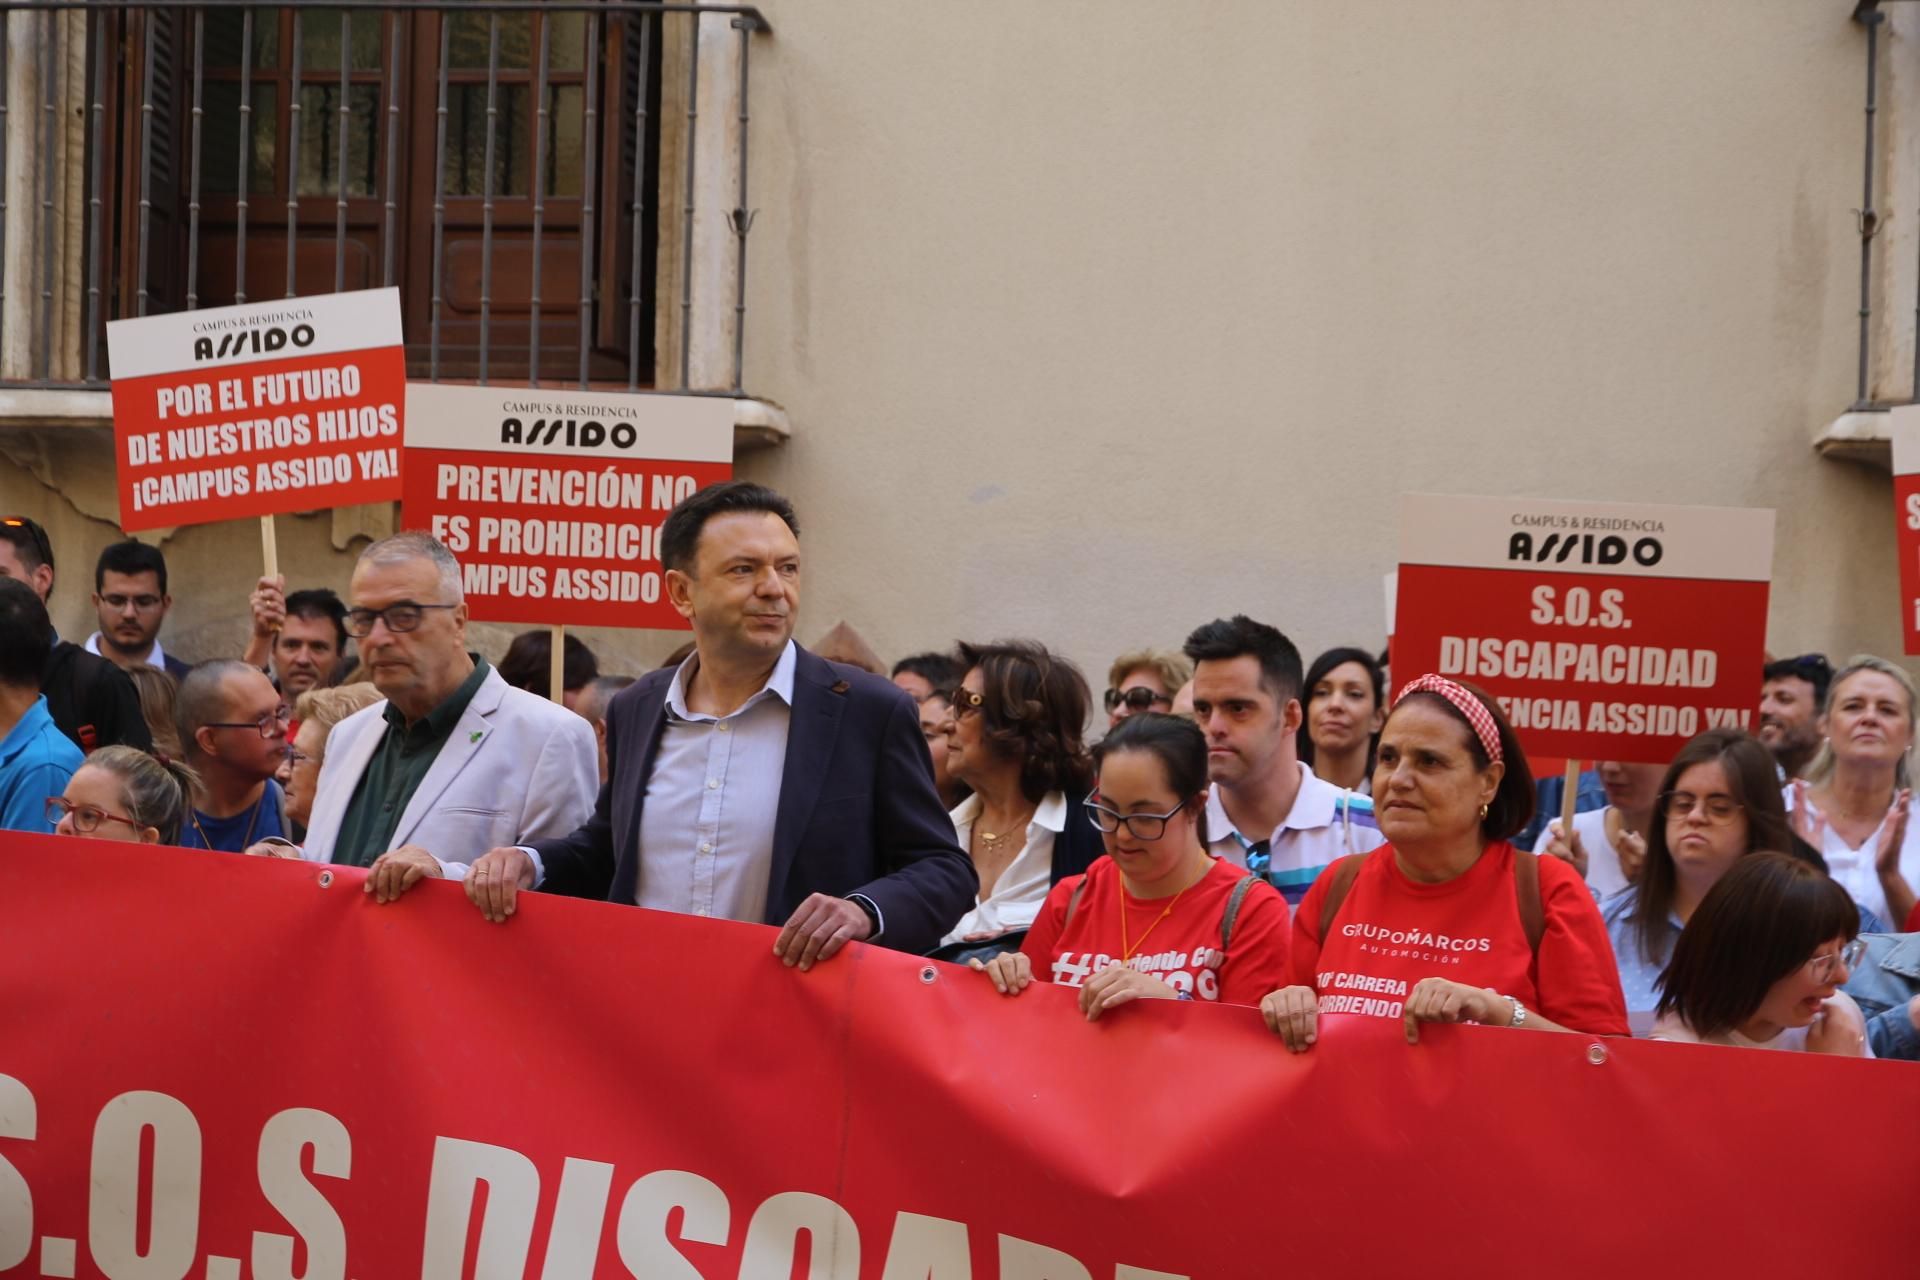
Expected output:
(857, 812)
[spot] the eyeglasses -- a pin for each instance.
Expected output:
(271, 725)
(964, 701)
(141, 604)
(1718, 808)
(33, 530)
(1138, 698)
(404, 616)
(1821, 968)
(86, 818)
(1811, 667)
(298, 758)
(1142, 826)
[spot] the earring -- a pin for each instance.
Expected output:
(1483, 813)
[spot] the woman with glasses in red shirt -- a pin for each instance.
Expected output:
(1157, 918)
(1447, 921)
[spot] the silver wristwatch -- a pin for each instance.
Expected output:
(1519, 1012)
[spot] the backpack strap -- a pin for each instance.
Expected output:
(1232, 913)
(1526, 892)
(1340, 877)
(1073, 903)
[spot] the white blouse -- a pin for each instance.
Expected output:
(1022, 888)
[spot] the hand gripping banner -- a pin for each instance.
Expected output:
(226, 1067)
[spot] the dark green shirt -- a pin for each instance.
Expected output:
(394, 773)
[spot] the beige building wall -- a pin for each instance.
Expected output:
(1098, 318)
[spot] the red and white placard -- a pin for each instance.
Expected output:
(1608, 631)
(228, 412)
(553, 500)
(1906, 508)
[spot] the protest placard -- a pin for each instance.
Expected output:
(1608, 631)
(553, 499)
(1906, 507)
(228, 412)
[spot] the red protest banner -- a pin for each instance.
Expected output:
(1906, 507)
(1609, 631)
(553, 500)
(219, 1066)
(253, 410)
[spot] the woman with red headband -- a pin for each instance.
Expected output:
(1448, 922)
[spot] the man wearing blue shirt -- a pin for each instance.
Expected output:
(36, 759)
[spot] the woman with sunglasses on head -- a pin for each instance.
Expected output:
(1012, 735)
(122, 793)
(1760, 964)
(1158, 917)
(1447, 921)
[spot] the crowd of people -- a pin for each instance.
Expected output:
(1246, 828)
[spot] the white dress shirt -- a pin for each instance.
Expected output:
(157, 658)
(706, 829)
(1022, 888)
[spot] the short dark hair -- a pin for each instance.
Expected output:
(1175, 741)
(1811, 667)
(1035, 711)
(941, 670)
(1757, 925)
(1240, 636)
(316, 603)
(680, 535)
(1754, 782)
(26, 635)
(1322, 667)
(130, 557)
(529, 663)
(1512, 806)
(30, 541)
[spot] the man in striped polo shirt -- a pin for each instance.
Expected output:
(1267, 811)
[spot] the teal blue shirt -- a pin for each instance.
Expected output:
(36, 759)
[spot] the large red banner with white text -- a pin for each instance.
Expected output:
(1608, 631)
(226, 1067)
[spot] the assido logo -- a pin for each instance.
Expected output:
(252, 342)
(1584, 548)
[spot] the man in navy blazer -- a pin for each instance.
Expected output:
(756, 781)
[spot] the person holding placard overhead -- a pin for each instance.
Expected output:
(1448, 922)
(1609, 846)
(1855, 803)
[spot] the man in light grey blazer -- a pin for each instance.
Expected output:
(454, 762)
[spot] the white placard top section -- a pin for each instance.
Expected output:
(1906, 440)
(579, 424)
(1629, 539)
(192, 341)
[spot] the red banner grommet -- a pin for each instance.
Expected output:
(1597, 1054)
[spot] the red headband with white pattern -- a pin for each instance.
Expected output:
(1469, 706)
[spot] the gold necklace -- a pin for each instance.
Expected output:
(992, 841)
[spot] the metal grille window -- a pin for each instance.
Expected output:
(498, 160)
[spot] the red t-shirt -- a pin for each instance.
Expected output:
(1182, 950)
(1393, 931)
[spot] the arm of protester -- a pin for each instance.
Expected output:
(273, 847)
(559, 798)
(1839, 1028)
(1293, 1014)
(1895, 1032)
(926, 881)
(1011, 972)
(269, 607)
(1116, 985)
(398, 870)
(1565, 845)
(1632, 848)
(1443, 1000)
(819, 927)
(578, 864)
(1890, 842)
(1578, 982)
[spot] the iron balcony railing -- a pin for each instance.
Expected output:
(524, 172)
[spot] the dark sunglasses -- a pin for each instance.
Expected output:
(1138, 698)
(1812, 667)
(33, 530)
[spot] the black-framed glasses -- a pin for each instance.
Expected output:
(406, 615)
(1141, 826)
(86, 817)
(271, 725)
(964, 700)
(1138, 698)
(1719, 808)
(33, 530)
(1846, 959)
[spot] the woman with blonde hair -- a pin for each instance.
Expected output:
(315, 712)
(122, 793)
(1855, 802)
(157, 692)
